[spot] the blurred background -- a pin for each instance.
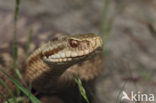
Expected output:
(128, 28)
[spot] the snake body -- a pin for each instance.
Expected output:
(50, 68)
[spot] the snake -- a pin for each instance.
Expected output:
(52, 62)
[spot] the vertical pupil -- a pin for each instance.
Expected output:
(73, 43)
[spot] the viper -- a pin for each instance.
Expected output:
(50, 67)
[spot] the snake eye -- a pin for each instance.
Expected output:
(73, 43)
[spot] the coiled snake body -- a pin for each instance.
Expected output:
(51, 67)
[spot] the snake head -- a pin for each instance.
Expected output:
(71, 48)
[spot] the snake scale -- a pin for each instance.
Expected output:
(52, 62)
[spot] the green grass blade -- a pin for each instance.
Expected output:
(18, 99)
(18, 74)
(106, 25)
(14, 45)
(22, 88)
(81, 88)
(3, 97)
(105, 10)
(29, 41)
(16, 10)
(9, 91)
(15, 30)
(30, 87)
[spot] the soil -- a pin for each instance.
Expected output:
(130, 31)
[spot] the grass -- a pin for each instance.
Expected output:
(14, 54)
(9, 91)
(18, 99)
(29, 41)
(15, 46)
(81, 88)
(17, 82)
(103, 26)
(106, 25)
(19, 85)
(3, 97)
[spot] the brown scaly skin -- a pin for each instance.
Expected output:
(52, 75)
(48, 68)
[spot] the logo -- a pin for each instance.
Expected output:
(137, 97)
(125, 96)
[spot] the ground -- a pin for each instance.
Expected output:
(129, 30)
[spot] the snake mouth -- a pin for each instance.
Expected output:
(57, 60)
(66, 56)
(70, 49)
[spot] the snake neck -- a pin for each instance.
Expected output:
(48, 75)
(36, 68)
(40, 73)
